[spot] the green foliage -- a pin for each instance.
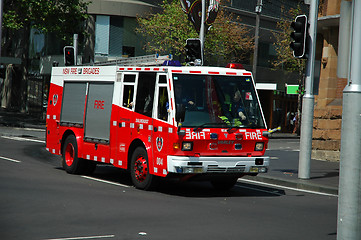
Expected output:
(167, 32)
(285, 59)
(62, 17)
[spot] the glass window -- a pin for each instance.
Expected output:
(128, 96)
(203, 100)
(163, 104)
(145, 93)
(102, 35)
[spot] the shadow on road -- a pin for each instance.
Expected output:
(191, 189)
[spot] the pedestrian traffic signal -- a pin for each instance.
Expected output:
(193, 50)
(69, 56)
(299, 36)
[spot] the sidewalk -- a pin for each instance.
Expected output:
(324, 175)
(283, 171)
(20, 120)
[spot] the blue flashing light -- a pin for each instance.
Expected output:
(171, 63)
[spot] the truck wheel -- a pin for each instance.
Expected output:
(139, 170)
(224, 183)
(71, 163)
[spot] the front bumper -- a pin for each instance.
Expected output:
(185, 164)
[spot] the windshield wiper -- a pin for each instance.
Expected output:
(232, 127)
(206, 124)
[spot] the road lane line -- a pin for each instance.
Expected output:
(10, 159)
(288, 188)
(80, 238)
(23, 139)
(104, 181)
(31, 129)
(260, 190)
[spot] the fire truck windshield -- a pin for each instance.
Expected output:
(216, 101)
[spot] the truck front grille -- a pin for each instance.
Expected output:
(216, 169)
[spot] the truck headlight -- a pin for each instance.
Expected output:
(187, 146)
(259, 146)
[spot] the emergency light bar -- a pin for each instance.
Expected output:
(235, 65)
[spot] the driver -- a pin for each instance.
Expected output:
(236, 107)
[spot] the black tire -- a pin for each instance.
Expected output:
(224, 183)
(139, 170)
(71, 163)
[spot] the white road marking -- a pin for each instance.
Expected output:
(260, 190)
(288, 188)
(10, 159)
(80, 238)
(23, 139)
(104, 181)
(32, 129)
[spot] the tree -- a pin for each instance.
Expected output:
(60, 17)
(285, 59)
(167, 32)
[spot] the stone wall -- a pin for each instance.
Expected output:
(326, 140)
(326, 137)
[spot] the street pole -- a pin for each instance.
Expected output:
(75, 45)
(1, 22)
(202, 29)
(349, 201)
(308, 99)
(258, 11)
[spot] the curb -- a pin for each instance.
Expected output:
(299, 184)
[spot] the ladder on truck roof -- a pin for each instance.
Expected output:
(147, 60)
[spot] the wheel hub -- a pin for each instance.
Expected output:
(141, 169)
(69, 154)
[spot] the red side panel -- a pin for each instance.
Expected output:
(53, 119)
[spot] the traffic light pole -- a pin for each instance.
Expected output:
(75, 44)
(258, 11)
(349, 201)
(308, 99)
(202, 29)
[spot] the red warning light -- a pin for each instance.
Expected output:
(235, 65)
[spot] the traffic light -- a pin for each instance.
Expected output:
(299, 36)
(193, 50)
(69, 56)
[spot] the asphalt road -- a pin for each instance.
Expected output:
(39, 200)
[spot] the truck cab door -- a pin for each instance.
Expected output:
(124, 117)
(161, 126)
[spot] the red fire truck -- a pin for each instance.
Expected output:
(158, 121)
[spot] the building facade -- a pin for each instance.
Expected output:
(111, 35)
(332, 52)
